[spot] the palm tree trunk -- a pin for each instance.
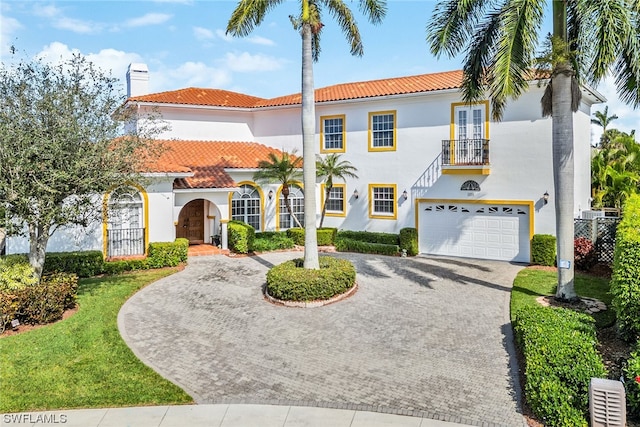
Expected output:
(324, 205)
(308, 152)
(563, 172)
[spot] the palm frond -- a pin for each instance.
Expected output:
(452, 24)
(374, 10)
(347, 23)
(247, 15)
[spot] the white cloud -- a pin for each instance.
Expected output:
(202, 33)
(246, 62)
(148, 19)
(261, 41)
(221, 34)
(62, 22)
(8, 26)
(628, 117)
(188, 74)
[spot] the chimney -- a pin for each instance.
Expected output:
(137, 80)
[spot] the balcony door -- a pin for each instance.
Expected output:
(469, 132)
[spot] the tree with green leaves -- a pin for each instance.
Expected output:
(250, 13)
(603, 119)
(285, 170)
(501, 41)
(615, 171)
(329, 168)
(63, 145)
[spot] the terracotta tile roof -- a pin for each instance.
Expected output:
(207, 161)
(339, 92)
(197, 96)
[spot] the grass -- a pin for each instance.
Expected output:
(82, 362)
(531, 283)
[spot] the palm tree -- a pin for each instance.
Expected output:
(284, 170)
(250, 13)
(330, 168)
(603, 119)
(500, 38)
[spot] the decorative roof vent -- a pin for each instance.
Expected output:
(470, 185)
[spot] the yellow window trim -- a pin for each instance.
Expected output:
(278, 192)
(344, 134)
(395, 130)
(528, 203)
(262, 200)
(105, 217)
(342, 213)
(452, 125)
(395, 195)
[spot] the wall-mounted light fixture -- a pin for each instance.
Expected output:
(545, 197)
(405, 194)
(355, 194)
(270, 195)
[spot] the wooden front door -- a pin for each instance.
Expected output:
(191, 222)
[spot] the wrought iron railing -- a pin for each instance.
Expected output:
(463, 152)
(125, 242)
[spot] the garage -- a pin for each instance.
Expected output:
(475, 230)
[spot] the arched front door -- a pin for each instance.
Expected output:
(191, 222)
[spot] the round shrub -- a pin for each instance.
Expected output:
(409, 240)
(290, 281)
(543, 249)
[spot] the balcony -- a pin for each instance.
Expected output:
(465, 156)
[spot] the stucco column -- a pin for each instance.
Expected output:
(223, 233)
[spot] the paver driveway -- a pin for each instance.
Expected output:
(422, 336)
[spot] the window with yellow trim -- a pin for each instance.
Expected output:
(382, 131)
(125, 226)
(382, 201)
(332, 134)
(336, 200)
(296, 200)
(245, 206)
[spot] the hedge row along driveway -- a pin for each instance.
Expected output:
(424, 336)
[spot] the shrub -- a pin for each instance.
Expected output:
(241, 236)
(543, 249)
(409, 240)
(350, 245)
(81, 263)
(625, 279)
(370, 237)
(584, 254)
(46, 301)
(15, 275)
(290, 281)
(326, 236)
(297, 235)
(167, 254)
(560, 358)
(271, 241)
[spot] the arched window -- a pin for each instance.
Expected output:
(296, 198)
(125, 227)
(470, 186)
(245, 206)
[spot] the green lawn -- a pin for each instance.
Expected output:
(531, 283)
(82, 362)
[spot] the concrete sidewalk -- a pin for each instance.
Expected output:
(222, 415)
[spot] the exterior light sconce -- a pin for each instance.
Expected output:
(545, 197)
(405, 195)
(270, 195)
(355, 194)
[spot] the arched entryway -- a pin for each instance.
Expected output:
(191, 222)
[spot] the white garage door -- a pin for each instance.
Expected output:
(483, 231)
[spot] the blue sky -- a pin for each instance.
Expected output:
(184, 44)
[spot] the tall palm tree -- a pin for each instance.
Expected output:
(250, 13)
(603, 119)
(330, 168)
(284, 170)
(500, 38)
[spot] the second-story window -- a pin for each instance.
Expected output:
(382, 131)
(332, 136)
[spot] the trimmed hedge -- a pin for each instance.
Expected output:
(369, 237)
(167, 254)
(632, 383)
(543, 249)
(241, 236)
(290, 281)
(350, 245)
(408, 238)
(625, 279)
(47, 301)
(560, 358)
(15, 275)
(271, 241)
(325, 235)
(82, 263)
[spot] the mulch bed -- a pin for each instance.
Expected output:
(26, 328)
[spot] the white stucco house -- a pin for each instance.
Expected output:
(473, 187)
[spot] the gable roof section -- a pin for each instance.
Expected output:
(340, 92)
(207, 160)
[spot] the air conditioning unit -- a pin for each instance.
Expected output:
(592, 214)
(607, 403)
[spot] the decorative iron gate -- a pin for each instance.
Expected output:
(125, 242)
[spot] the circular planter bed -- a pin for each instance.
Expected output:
(291, 284)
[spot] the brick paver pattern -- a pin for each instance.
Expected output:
(423, 336)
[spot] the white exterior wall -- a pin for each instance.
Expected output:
(161, 198)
